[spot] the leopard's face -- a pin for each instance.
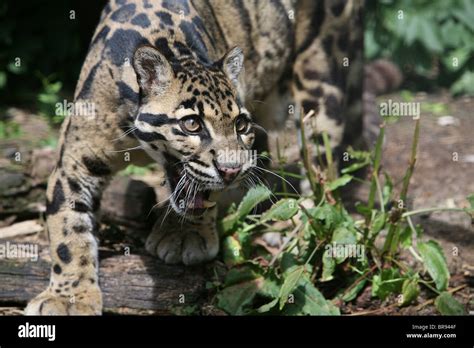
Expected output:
(191, 117)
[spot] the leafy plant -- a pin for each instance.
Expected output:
(328, 256)
(430, 40)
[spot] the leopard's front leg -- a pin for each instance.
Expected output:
(73, 197)
(189, 242)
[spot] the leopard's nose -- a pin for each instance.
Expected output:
(228, 172)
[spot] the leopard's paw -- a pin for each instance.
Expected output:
(188, 246)
(88, 302)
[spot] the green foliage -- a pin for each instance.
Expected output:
(447, 305)
(328, 256)
(435, 262)
(430, 40)
(43, 38)
(9, 130)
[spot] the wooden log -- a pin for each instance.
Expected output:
(135, 284)
(20, 229)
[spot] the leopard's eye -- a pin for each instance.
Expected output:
(191, 124)
(242, 124)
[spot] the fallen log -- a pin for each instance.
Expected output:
(134, 284)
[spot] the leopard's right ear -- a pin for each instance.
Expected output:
(154, 72)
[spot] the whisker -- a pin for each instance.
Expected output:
(130, 149)
(278, 176)
(132, 129)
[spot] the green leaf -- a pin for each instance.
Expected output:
(339, 182)
(282, 210)
(329, 265)
(267, 307)
(435, 263)
(471, 200)
(253, 197)
(309, 301)
(288, 261)
(405, 238)
(240, 274)
(351, 294)
(343, 236)
(378, 223)
(235, 299)
(465, 84)
(289, 284)
(386, 283)
(354, 167)
(232, 251)
(410, 291)
(387, 189)
(448, 305)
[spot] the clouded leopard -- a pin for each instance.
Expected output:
(178, 80)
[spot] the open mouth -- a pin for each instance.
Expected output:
(187, 197)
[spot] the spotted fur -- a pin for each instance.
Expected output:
(182, 80)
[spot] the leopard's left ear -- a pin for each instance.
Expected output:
(232, 64)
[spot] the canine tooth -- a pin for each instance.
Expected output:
(208, 204)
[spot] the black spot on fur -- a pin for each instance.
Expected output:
(156, 120)
(57, 269)
(317, 20)
(333, 108)
(73, 185)
(327, 43)
(309, 105)
(163, 47)
(149, 136)
(87, 85)
(165, 18)
(75, 283)
(141, 20)
(101, 35)
(83, 261)
(123, 44)
(58, 199)
(126, 92)
(124, 13)
(96, 166)
(189, 103)
(79, 228)
(182, 48)
(194, 39)
(343, 42)
(80, 207)
(177, 132)
(64, 253)
(176, 6)
(337, 7)
(146, 4)
(316, 92)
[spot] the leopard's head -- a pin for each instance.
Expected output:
(191, 119)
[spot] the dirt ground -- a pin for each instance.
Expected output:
(442, 178)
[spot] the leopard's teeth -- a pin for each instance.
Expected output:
(208, 204)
